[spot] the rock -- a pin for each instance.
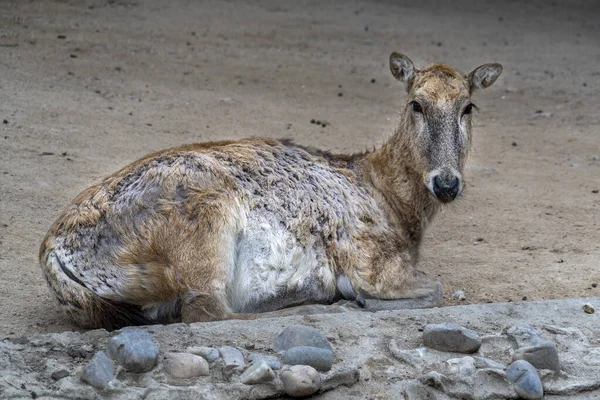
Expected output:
(134, 349)
(99, 371)
(541, 356)
(259, 372)
(300, 335)
(270, 360)
(185, 365)
(451, 337)
(459, 295)
(524, 335)
(344, 376)
(482, 362)
(300, 380)
(318, 358)
(588, 308)
(210, 354)
(525, 379)
(232, 358)
(59, 374)
(460, 368)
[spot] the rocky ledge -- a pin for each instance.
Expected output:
(548, 349)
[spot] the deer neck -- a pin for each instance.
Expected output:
(398, 187)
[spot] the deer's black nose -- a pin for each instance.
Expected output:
(446, 187)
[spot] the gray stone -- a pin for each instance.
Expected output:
(59, 374)
(273, 362)
(525, 379)
(210, 354)
(134, 349)
(233, 359)
(259, 372)
(318, 358)
(99, 371)
(185, 365)
(541, 356)
(300, 380)
(482, 362)
(524, 335)
(451, 337)
(300, 335)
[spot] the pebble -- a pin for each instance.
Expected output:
(256, 373)
(452, 337)
(588, 308)
(524, 335)
(320, 359)
(232, 358)
(185, 365)
(99, 371)
(525, 379)
(59, 374)
(210, 354)
(300, 380)
(134, 349)
(270, 360)
(300, 335)
(459, 295)
(541, 356)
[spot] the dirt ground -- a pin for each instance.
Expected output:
(88, 86)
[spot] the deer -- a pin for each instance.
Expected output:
(259, 227)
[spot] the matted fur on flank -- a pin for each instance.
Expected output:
(262, 227)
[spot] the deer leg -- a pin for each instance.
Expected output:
(424, 291)
(396, 284)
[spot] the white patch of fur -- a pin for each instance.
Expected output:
(272, 270)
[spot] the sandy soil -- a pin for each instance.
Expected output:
(88, 86)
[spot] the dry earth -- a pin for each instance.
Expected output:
(88, 86)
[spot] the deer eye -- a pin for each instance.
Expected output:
(469, 109)
(416, 107)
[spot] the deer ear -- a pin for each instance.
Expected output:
(483, 76)
(402, 68)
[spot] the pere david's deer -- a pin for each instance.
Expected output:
(248, 228)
